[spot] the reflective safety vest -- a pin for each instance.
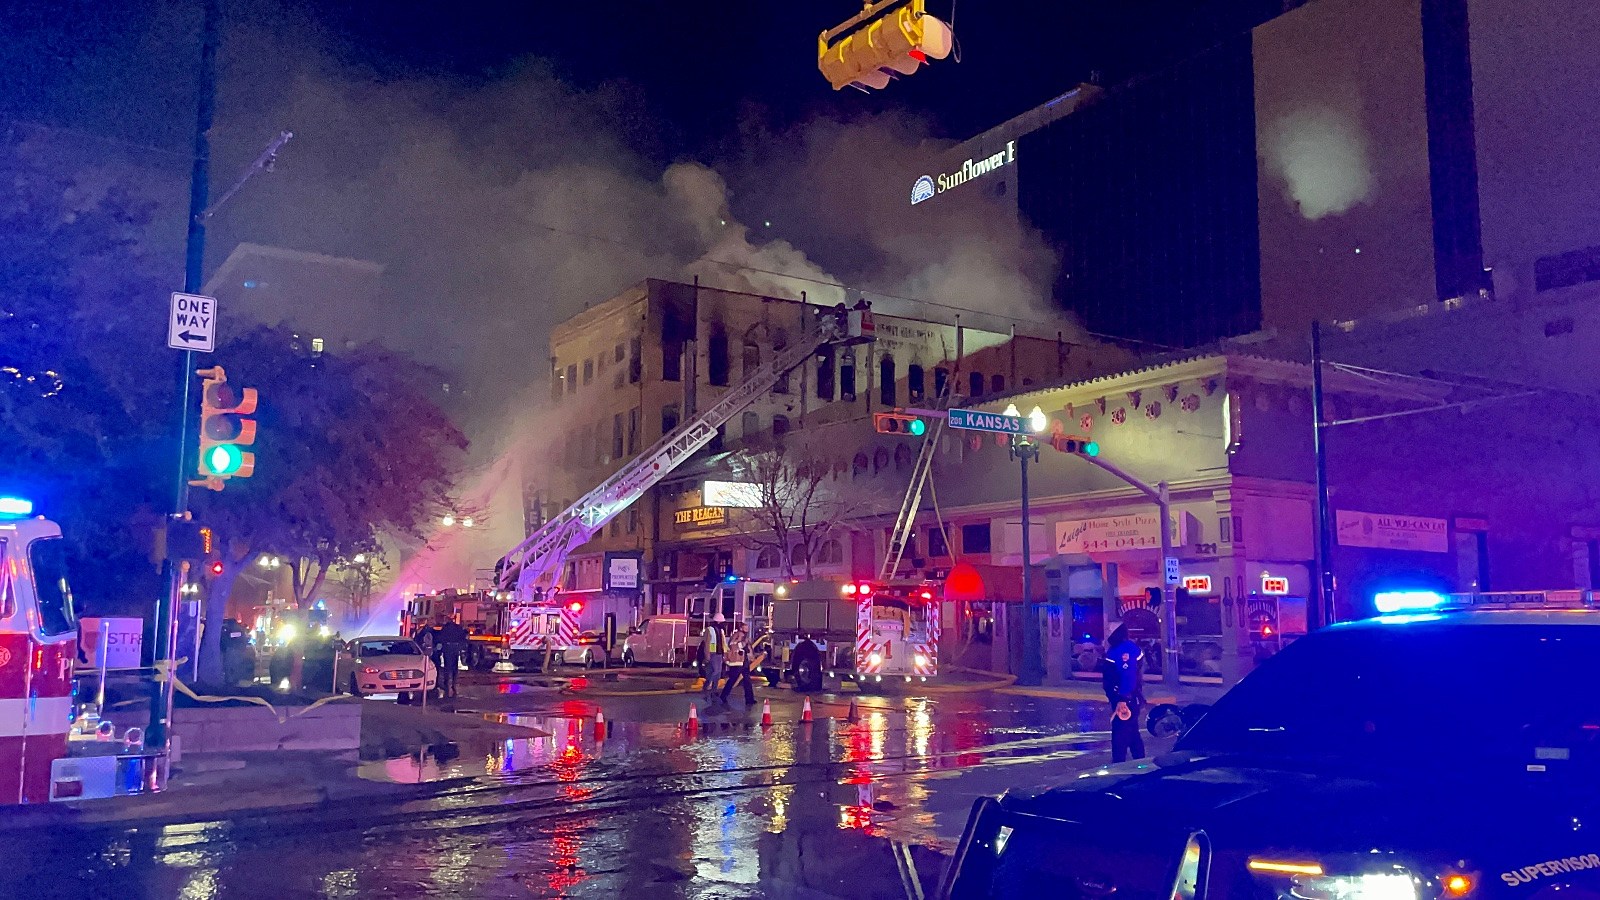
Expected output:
(714, 641)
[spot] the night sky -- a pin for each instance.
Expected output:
(700, 66)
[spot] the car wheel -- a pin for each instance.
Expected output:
(1191, 714)
(1164, 721)
(627, 658)
(807, 669)
(355, 690)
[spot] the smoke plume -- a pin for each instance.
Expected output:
(1321, 156)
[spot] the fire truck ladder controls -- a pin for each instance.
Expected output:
(540, 557)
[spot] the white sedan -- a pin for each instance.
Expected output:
(386, 665)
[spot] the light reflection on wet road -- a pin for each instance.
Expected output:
(830, 809)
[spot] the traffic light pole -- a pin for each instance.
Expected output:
(1169, 612)
(166, 624)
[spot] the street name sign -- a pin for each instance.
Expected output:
(978, 420)
(192, 324)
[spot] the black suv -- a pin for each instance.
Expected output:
(1446, 755)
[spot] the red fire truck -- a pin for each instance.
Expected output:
(504, 632)
(40, 757)
(873, 633)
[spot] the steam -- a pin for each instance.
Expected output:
(1321, 154)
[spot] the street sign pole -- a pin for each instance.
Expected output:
(166, 624)
(1169, 603)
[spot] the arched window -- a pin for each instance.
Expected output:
(825, 372)
(717, 356)
(902, 455)
(886, 392)
(780, 340)
(768, 558)
(976, 383)
(749, 424)
(847, 377)
(858, 466)
(797, 555)
(831, 553)
(780, 426)
(997, 384)
(915, 385)
(750, 357)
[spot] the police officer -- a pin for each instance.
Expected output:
(1123, 679)
(453, 641)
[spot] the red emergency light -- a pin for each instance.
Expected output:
(863, 589)
(575, 606)
(927, 595)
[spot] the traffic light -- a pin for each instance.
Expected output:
(899, 423)
(1080, 446)
(224, 429)
(887, 39)
(215, 568)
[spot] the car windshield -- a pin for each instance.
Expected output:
(56, 615)
(389, 648)
(1391, 695)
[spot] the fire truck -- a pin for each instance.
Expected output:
(42, 757)
(530, 572)
(872, 633)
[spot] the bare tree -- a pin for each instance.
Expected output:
(800, 503)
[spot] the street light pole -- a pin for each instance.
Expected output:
(1026, 449)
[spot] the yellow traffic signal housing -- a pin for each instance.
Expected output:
(899, 423)
(224, 429)
(886, 39)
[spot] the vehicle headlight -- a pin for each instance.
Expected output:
(1302, 880)
(875, 658)
(369, 670)
(922, 659)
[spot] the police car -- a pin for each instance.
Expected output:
(1447, 754)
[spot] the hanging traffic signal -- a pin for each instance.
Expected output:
(899, 423)
(888, 39)
(1079, 446)
(224, 429)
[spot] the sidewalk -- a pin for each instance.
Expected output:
(206, 786)
(1155, 692)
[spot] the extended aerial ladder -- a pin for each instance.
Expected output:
(905, 524)
(535, 564)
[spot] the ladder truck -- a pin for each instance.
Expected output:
(539, 624)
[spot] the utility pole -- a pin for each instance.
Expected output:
(166, 624)
(1319, 443)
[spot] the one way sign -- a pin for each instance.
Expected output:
(193, 325)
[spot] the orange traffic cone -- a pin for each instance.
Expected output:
(853, 716)
(599, 726)
(694, 718)
(766, 714)
(805, 711)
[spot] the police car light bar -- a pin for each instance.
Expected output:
(1408, 601)
(15, 507)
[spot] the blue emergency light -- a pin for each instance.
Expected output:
(15, 508)
(1408, 601)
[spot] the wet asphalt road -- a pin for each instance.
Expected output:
(832, 809)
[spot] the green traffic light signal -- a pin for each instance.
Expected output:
(223, 459)
(1090, 448)
(918, 427)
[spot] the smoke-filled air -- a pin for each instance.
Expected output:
(500, 208)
